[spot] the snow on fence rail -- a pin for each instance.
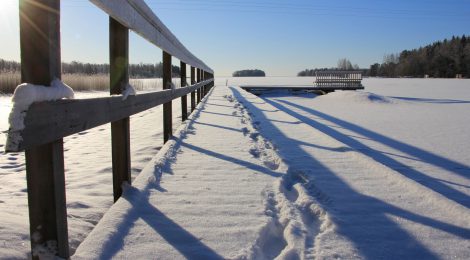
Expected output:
(46, 123)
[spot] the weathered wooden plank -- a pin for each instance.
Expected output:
(121, 155)
(53, 120)
(119, 79)
(167, 107)
(184, 99)
(193, 94)
(40, 59)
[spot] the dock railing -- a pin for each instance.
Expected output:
(339, 79)
(46, 123)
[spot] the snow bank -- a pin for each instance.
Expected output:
(359, 97)
(25, 95)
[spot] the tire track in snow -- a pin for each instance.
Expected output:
(293, 203)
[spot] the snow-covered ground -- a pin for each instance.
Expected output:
(389, 165)
(88, 175)
(379, 173)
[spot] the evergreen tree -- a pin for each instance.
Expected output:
(443, 59)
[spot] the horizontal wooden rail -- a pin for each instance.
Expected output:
(138, 17)
(53, 120)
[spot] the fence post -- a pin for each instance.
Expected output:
(40, 64)
(167, 107)
(206, 76)
(199, 89)
(212, 83)
(203, 77)
(193, 94)
(208, 85)
(184, 99)
(119, 79)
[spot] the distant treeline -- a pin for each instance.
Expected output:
(9, 66)
(343, 64)
(311, 73)
(135, 70)
(249, 73)
(442, 59)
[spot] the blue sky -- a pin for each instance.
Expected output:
(279, 37)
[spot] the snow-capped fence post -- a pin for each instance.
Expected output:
(193, 94)
(40, 65)
(167, 107)
(119, 80)
(184, 99)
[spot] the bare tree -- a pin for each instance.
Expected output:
(344, 64)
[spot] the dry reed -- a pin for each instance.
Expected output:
(82, 82)
(9, 81)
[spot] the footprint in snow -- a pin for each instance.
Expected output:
(254, 136)
(254, 152)
(245, 131)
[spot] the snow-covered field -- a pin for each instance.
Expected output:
(390, 165)
(387, 167)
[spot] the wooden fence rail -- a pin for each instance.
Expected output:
(55, 119)
(46, 123)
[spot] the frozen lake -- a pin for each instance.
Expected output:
(416, 129)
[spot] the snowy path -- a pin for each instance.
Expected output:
(221, 190)
(207, 195)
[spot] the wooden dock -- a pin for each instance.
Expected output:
(258, 89)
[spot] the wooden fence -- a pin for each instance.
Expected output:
(47, 123)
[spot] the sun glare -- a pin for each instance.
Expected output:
(8, 11)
